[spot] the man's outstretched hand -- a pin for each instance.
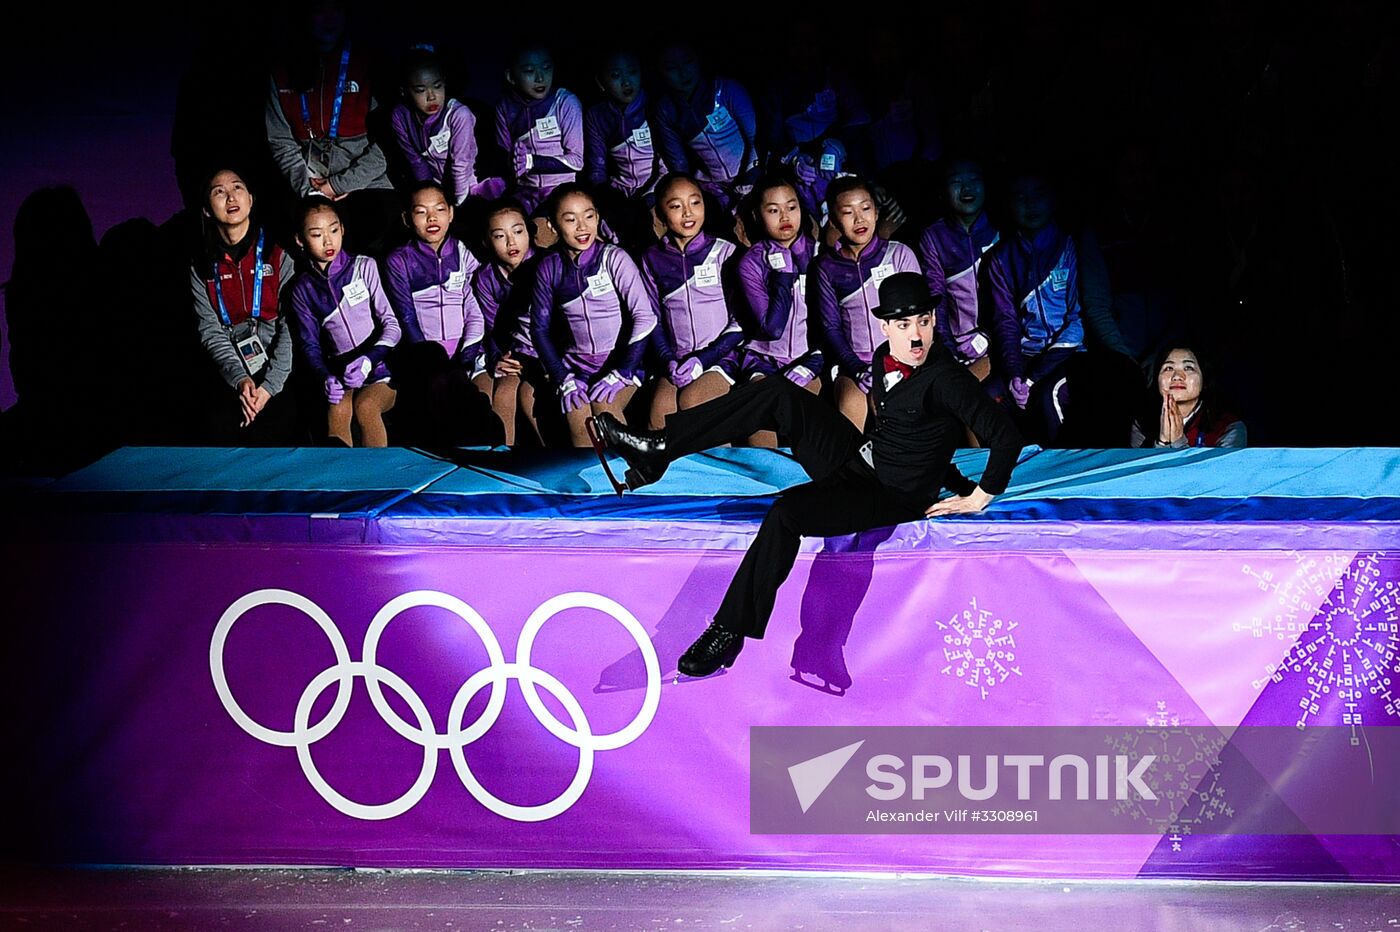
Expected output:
(968, 504)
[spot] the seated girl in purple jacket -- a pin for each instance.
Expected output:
(539, 126)
(622, 157)
(845, 282)
(773, 280)
(437, 133)
(685, 276)
(345, 326)
(442, 368)
(504, 286)
(590, 317)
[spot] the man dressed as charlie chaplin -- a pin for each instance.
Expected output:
(923, 400)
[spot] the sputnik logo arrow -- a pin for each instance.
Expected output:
(810, 778)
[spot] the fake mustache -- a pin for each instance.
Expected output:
(916, 343)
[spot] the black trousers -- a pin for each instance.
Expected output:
(844, 496)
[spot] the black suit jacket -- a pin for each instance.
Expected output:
(919, 422)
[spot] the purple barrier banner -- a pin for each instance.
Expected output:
(503, 707)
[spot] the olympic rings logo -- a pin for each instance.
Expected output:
(344, 672)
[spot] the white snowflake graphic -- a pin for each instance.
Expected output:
(979, 648)
(1185, 776)
(1348, 649)
(1299, 595)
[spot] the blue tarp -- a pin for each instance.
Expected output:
(722, 485)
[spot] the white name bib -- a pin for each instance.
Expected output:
(719, 119)
(641, 137)
(356, 292)
(777, 261)
(547, 128)
(600, 285)
(880, 273)
(456, 280)
(439, 142)
(706, 276)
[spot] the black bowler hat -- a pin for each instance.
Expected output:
(905, 294)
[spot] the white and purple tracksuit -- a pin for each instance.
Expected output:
(342, 314)
(1035, 289)
(431, 291)
(441, 147)
(550, 132)
(952, 257)
(711, 136)
(619, 149)
(505, 305)
(846, 291)
(691, 295)
(773, 280)
(601, 310)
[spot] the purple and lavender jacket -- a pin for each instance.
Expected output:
(505, 305)
(551, 131)
(691, 292)
(432, 293)
(711, 135)
(441, 148)
(619, 149)
(1048, 291)
(601, 306)
(952, 257)
(342, 314)
(846, 290)
(773, 279)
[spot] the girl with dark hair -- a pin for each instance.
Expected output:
(846, 282)
(539, 126)
(437, 133)
(591, 315)
(623, 159)
(773, 279)
(706, 126)
(687, 280)
(503, 287)
(345, 327)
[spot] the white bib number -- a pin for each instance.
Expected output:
(719, 119)
(356, 292)
(600, 285)
(547, 128)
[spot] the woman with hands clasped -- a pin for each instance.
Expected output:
(1187, 413)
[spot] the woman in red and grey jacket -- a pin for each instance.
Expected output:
(237, 283)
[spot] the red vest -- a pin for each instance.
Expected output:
(320, 98)
(1213, 432)
(236, 280)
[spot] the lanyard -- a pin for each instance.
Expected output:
(335, 107)
(257, 285)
